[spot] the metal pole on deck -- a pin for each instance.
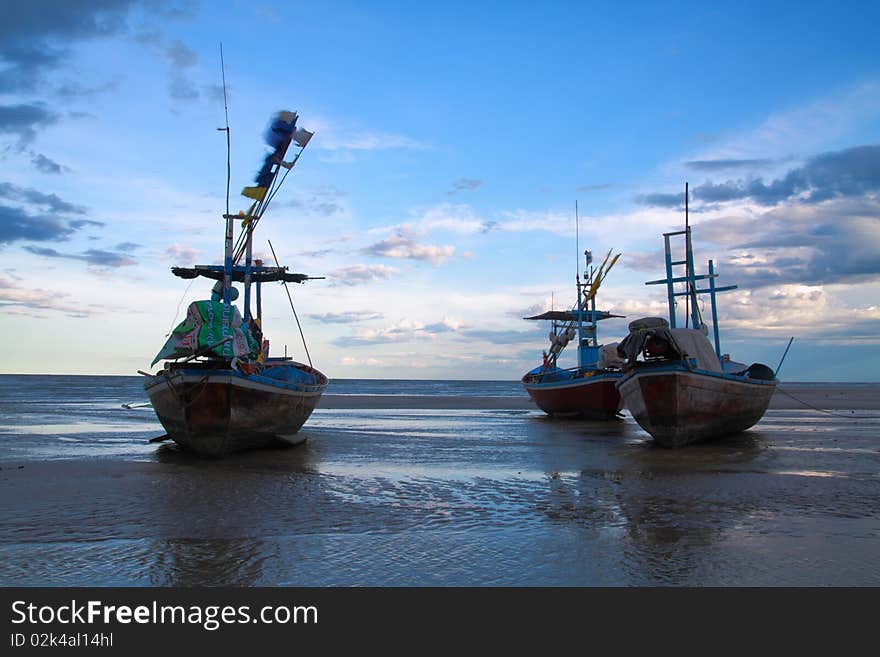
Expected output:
(687, 259)
(691, 295)
(670, 289)
(778, 367)
(714, 311)
(595, 321)
(577, 275)
(259, 263)
(247, 272)
(227, 261)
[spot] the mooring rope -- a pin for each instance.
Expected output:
(822, 410)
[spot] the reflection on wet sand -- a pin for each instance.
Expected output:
(458, 497)
(216, 514)
(192, 562)
(676, 517)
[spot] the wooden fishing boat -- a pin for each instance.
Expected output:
(587, 390)
(569, 393)
(678, 387)
(681, 399)
(214, 410)
(219, 391)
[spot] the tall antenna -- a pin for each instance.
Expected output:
(226, 129)
(230, 227)
(577, 245)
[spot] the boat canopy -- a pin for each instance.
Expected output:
(258, 274)
(687, 343)
(572, 315)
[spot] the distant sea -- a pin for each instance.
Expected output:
(413, 496)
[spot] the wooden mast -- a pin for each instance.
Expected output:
(230, 230)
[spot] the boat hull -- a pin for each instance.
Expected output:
(593, 397)
(217, 412)
(679, 407)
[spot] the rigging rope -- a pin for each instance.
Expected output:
(259, 208)
(177, 312)
(290, 299)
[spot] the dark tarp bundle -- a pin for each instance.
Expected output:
(685, 343)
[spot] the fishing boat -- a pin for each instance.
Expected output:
(587, 390)
(678, 386)
(219, 391)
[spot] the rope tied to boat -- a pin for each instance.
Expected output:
(823, 410)
(199, 389)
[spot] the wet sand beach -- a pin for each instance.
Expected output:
(788, 396)
(468, 489)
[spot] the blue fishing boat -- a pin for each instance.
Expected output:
(678, 386)
(587, 390)
(219, 390)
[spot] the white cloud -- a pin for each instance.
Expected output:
(800, 310)
(405, 330)
(332, 135)
(455, 218)
(182, 255)
(350, 317)
(445, 325)
(613, 228)
(17, 299)
(350, 361)
(360, 274)
(399, 246)
(523, 221)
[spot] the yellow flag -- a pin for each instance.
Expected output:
(246, 218)
(256, 193)
(601, 274)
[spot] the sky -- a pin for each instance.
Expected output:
(437, 197)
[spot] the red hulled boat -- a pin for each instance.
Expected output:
(587, 390)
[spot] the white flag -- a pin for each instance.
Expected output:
(302, 136)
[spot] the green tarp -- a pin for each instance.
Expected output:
(203, 327)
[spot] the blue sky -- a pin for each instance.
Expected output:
(437, 196)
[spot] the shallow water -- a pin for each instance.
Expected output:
(429, 497)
